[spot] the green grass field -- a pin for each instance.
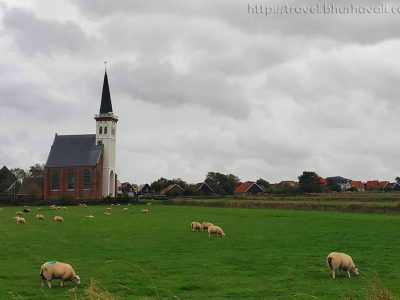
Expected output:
(266, 254)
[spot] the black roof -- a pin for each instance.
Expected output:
(74, 151)
(105, 106)
(7, 178)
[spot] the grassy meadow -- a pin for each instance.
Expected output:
(266, 254)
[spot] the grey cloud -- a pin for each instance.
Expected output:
(38, 36)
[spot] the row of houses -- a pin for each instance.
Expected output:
(353, 185)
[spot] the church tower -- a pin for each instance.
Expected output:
(106, 134)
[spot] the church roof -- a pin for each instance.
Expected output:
(105, 106)
(74, 151)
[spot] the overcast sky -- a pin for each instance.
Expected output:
(204, 86)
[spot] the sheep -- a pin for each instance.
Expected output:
(149, 203)
(19, 213)
(90, 216)
(145, 211)
(27, 210)
(118, 204)
(26, 207)
(53, 206)
(195, 226)
(64, 208)
(58, 270)
(129, 203)
(341, 261)
(109, 209)
(84, 206)
(125, 209)
(107, 213)
(58, 219)
(205, 225)
(20, 220)
(39, 217)
(39, 208)
(215, 229)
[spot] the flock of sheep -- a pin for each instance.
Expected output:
(211, 228)
(57, 270)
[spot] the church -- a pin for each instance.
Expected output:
(83, 166)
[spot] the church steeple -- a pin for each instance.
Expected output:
(105, 106)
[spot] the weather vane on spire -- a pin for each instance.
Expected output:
(105, 66)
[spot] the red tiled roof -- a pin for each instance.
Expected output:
(357, 184)
(372, 183)
(244, 187)
(382, 184)
(170, 187)
(322, 181)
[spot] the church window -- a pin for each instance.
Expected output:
(54, 181)
(71, 180)
(86, 179)
(101, 130)
(105, 130)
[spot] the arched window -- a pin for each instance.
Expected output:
(54, 181)
(101, 130)
(105, 130)
(71, 180)
(86, 179)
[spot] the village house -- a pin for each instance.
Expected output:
(172, 190)
(202, 189)
(249, 188)
(145, 189)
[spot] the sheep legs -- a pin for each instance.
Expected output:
(62, 282)
(348, 273)
(333, 273)
(48, 283)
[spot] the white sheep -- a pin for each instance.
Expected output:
(341, 261)
(26, 210)
(149, 203)
(125, 209)
(19, 213)
(205, 225)
(90, 216)
(39, 217)
(58, 219)
(20, 220)
(145, 211)
(109, 209)
(64, 208)
(195, 226)
(215, 230)
(84, 205)
(58, 270)
(107, 213)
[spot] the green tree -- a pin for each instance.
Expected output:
(397, 180)
(309, 183)
(263, 184)
(36, 171)
(19, 173)
(222, 184)
(332, 185)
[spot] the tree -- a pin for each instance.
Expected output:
(332, 185)
(162, 183)
(36, 171)
(19, 173)
(398, 180)
(309, 183)
(263, 184)
(222, 184)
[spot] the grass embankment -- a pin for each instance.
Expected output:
(266, 254)
(369, 202)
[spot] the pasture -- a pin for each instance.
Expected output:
(266, 254)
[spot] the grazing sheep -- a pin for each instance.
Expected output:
(53, 206)
(195, 226)
(107, 213)
(39, 217)
(145, 211)
(118, 204)
(341, 261)
(58, 219)
(64, 208)
(19, 213)
(20, 220)
(215, 230)
(84, 206)
(90, 216)
(26, 207)
(149, 203)
(205, 225)
(129, 203)
(109, 209)
(125, 209)
(39, 208)
(58, 270)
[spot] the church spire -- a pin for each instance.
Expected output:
(105, 106)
